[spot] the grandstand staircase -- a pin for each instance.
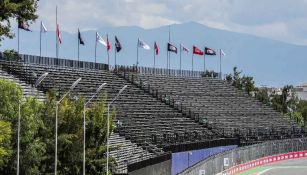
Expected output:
(28, 90)
(125, 152)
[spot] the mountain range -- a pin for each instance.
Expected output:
(272, 63)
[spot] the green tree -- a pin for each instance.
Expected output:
(302, 109)
(11, 55)
(70, 138)
(32, 148)
(38, 134)
(245, 83)
(22, 10)
(5, 137)
(248, 84)
(262, 95)
(285, 101)
(96, 137)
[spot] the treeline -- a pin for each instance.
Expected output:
(285, 101)
(37, 134)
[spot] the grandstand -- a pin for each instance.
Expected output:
(159, 112)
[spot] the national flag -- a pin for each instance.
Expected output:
(108, 44)
(117, 45)
(156, 48)
(185, 49)
(143, 45)
(24, 25)
(209, 51)
(80, 38)
(59, 34)
(223, 53)
(100, 40)
(197, 51)
(43, 28)
(171, 48)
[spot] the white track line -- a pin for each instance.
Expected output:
(266, 170)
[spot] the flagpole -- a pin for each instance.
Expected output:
(192, 62)
(169, 54)
(96, 50)
(205, 61)
(137, 53)
(40, 41)
(167, 58)
(115, 55)
(78, 47)
(220, 63)
(108, 52)
(154, 52)
(180, 58)
(18, 40)
(56, 33)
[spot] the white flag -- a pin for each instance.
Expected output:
(100, 39)
(43, 27)
(143, 45)
(223, 53)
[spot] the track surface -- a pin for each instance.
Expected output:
(286, 167)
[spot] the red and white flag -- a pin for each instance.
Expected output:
(108, 44)
(59, 34)
(156, 48)
(197, 51)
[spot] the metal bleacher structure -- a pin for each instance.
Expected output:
(160, 110)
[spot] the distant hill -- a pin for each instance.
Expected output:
(270, 62)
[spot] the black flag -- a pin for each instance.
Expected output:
(80, 38)
(118, 46)
(171, 48)
(209, 51)
(24, 26)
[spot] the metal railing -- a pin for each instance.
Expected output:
(215, 164)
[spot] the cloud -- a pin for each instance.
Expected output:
(282, 20)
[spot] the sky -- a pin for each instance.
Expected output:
(283, 20)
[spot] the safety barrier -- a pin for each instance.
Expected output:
(265, 161)
(226, 160)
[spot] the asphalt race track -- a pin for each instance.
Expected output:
(286, 167)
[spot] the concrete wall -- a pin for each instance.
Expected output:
(163, 168)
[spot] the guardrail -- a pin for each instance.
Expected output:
(50, 61)
(223, 161)
(264, 161)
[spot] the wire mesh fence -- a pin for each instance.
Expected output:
(225, 160)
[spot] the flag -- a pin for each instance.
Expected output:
(108, 44)
(117, 45)
(197, 51)
(143, 45)
(100, 39)
(43, 28)
(171, 48)
(156, 48)
(209, 51)
(80, 38)
(59, 34)
(24, 25)
(185, 49)
(223, 53)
